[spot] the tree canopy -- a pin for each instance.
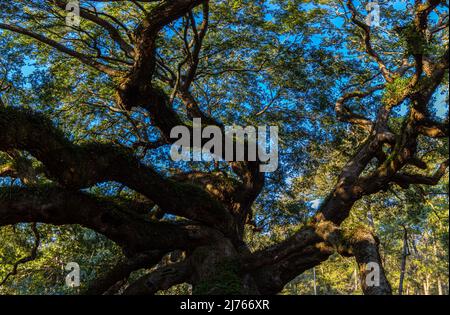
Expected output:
(90, 92)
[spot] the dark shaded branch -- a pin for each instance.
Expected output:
(81, 166)
(423, 11)
(160, 279)
(137, 90)
(275, 266)
(433, 129)
(123, 270)
(130, 230)
(404, 180)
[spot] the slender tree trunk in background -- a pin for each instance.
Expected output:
(428, 240)
(355, 274)
(405, 253)
(326, 288)
(439, 285)
(314, 275)
(426, 285)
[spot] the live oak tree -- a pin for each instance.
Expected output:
(84, 139)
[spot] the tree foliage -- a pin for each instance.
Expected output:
(86, 113)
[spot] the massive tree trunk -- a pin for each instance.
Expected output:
(214, 207)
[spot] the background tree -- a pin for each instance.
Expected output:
(85, 121)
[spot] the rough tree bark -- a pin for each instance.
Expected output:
(215, 209)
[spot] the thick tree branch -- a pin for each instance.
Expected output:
(275, 266)
(364, 246)
(116, 221)
(344, 114)
(137, 90)
(81, 166)
(404, 180)
(160, 279)
(122, 271)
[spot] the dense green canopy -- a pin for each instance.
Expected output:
(86, 176)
